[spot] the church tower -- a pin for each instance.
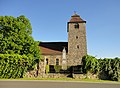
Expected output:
(77, 47)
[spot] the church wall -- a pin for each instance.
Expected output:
(52, 59)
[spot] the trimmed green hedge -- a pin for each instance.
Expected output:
(14, 66)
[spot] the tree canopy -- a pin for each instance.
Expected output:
(16, 39)
(15, 36)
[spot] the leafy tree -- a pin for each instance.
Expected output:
(111, 67)
(15, 38)
(107, 67)
(90, 63)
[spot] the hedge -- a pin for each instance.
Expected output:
(14, 66)
(57, 68)
(111, 67)
(108, 66)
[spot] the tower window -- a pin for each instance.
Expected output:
(78, 46)
(76, 25)
(76, 37)
(57, 61)
(46, 61)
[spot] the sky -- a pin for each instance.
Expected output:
(49, 21)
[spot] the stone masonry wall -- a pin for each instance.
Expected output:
(84, 76)
(77, 47)
(52, 59)
(39, 71)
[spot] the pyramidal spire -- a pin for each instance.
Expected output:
(76, 18)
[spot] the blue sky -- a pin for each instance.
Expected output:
(49, 21)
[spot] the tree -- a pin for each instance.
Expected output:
(111, 67)
(90, 63)
(16, 38)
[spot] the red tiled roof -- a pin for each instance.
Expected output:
(76, 18)
(53, 48)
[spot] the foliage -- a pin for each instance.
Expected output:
(57, 68)
(14, 66)
(15, 38)
(90, 63)
(47, 69)
(111, 67)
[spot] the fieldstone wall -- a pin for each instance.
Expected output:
(83, 76)
(39, 70)
(55, 75)
(31, 73)
(52, 59)
(77, 47)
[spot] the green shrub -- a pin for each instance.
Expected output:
(111, 67)
(14, 66)
(107, 66)
(47, 69)
(57, 68)
(90, 63)
(19, 52)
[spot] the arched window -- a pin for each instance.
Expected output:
(57, 61)
(46, 61)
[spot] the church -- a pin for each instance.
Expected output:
(67, 53)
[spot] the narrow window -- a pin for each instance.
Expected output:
(57, 61)
(76, 25)
(46, 61)
(76, 37)
(78, 46)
